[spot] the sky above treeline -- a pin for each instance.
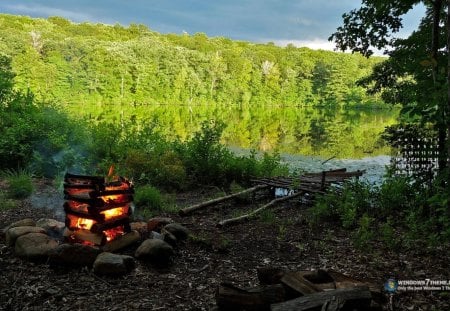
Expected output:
(300, 22)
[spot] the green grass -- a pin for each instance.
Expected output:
(20, 183)
(267, 216)
(151, 202)
(7, 203)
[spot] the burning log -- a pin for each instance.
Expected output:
(85, 237)
(97, 211)
(122, 241)
(101, 227)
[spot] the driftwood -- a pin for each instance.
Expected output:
(358, 298)
(254, 212)
(230, 297)
(195, 207)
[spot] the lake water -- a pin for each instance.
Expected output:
(305, 137)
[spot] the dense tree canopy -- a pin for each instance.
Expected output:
(415, 75)
(102, 64)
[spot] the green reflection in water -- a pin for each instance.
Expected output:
(341, 133)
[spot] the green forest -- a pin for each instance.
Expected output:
(195, 122)
(84, 64)
(165, 108)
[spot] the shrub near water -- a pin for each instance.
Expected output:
(400, 210)
(207, 161)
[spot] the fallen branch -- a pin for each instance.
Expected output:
(247, 216)
(195, 207)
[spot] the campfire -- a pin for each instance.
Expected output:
(97, 209)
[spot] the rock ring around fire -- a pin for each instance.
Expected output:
(33, 242)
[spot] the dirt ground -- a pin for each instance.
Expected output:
(281, 239)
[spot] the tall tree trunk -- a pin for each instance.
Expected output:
(447, 119)
(441, 124)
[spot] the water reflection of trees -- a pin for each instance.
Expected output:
(308, 131)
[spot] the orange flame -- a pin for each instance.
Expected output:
(110, 171)
(115, 212)
(76, 222)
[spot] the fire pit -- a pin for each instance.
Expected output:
(97, 211)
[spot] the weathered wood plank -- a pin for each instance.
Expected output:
(356, 297)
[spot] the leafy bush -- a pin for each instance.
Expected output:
(365, 233)
(148, 197)
(419, 210)
(163, 170)
(388, 234)
(347, 203)
(207, 161)
(20, 184)
(204, 157)
(395, 194)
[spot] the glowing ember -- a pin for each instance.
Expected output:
(76, 222)
(119, 186)
(118, 198)
(80, 193)
(78, 207)
(115, 212)
(84, 223)
(97, 208)
(112, 234)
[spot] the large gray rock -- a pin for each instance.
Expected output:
(179, 231)
(169, 238)
(155, 251)
(113, 264)
(13, 233)
(20, 223)
(53, 227)
(156, 235)
(74, 255)
(50, 224)
(34, 245)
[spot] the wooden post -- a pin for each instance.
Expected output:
(322, 185)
